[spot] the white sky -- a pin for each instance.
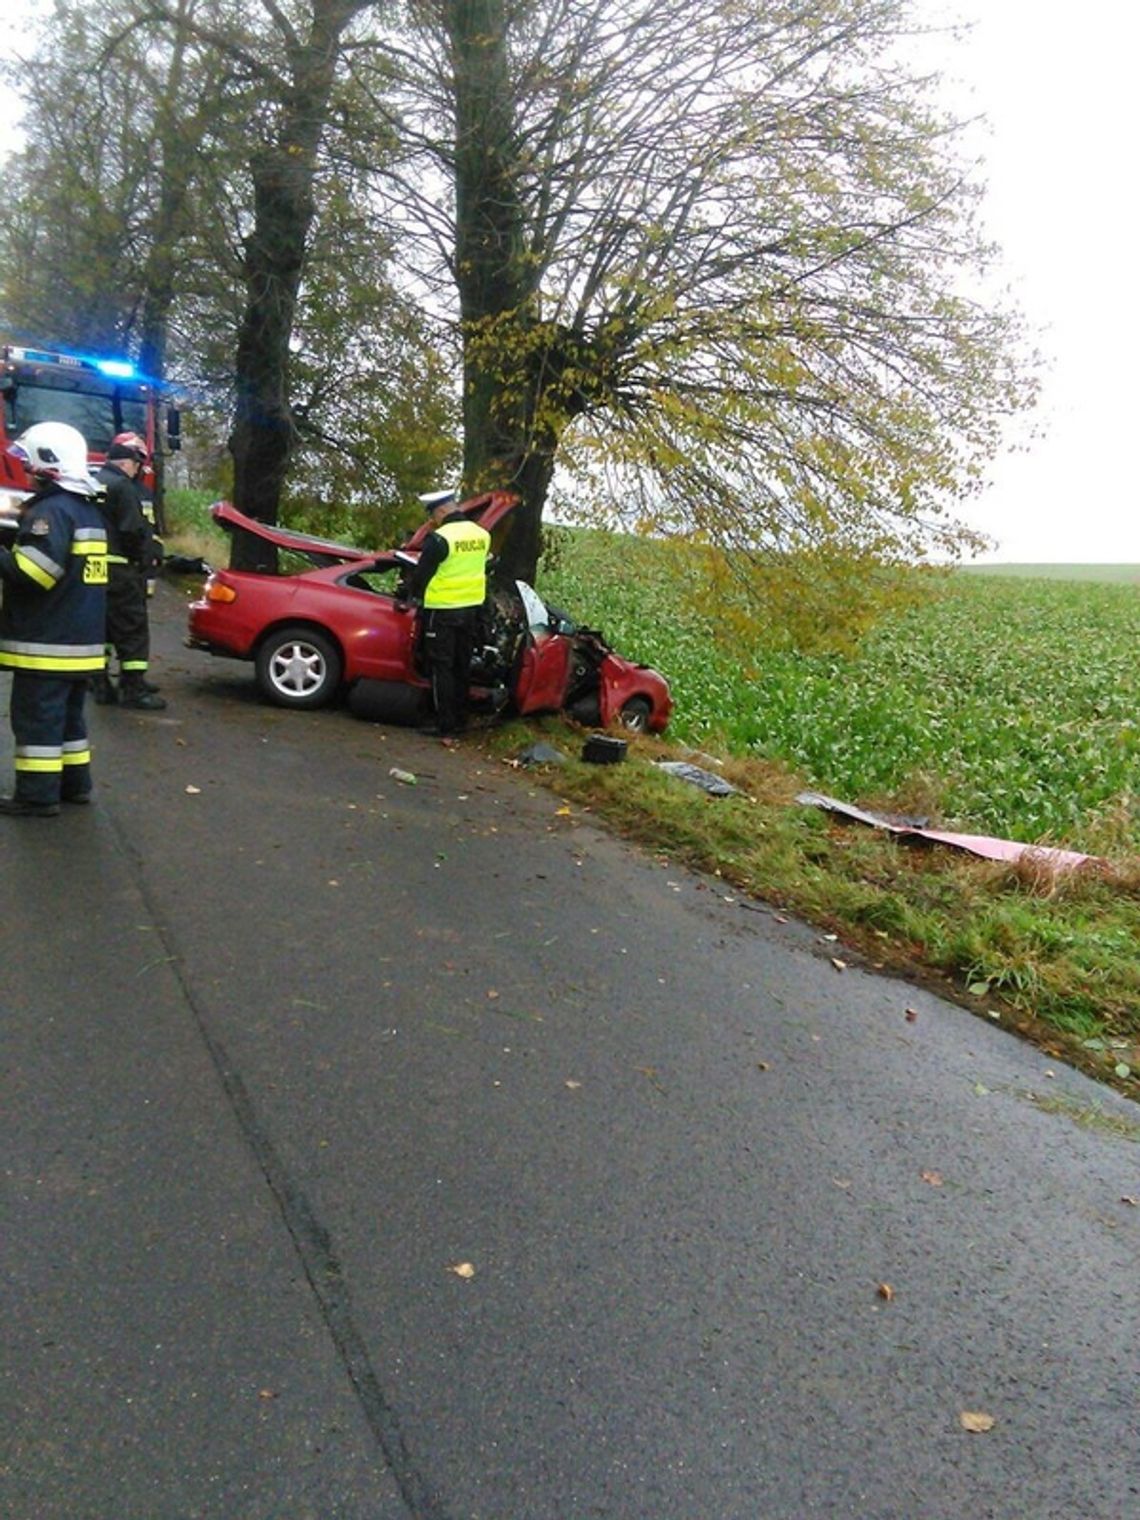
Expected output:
(1056, 85)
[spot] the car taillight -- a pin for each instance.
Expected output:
(218, 591)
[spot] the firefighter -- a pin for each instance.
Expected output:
(130, 558)
(451, 578)
(54, 578)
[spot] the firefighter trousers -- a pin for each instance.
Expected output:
(128, 626)
(53, 756)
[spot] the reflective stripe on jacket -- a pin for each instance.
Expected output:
(460, 580)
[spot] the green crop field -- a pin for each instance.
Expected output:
(1004, 704)
(1125, 574)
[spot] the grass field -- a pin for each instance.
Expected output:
(1119, 574)
(1003, 705)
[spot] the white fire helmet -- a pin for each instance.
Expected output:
(55, 451)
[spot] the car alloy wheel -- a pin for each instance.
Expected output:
(298, 667)
(635, 715)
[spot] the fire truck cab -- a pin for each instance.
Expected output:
(100, 397)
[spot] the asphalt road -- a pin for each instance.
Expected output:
(286, 1041)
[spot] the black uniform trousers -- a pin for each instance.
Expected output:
(448, 644)
(53, 756)
(128, 625)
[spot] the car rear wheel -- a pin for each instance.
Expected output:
(635, 715)
(298, 667)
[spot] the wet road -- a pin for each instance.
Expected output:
(284, 1050)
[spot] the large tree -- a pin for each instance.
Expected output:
(204, 195)
(713, 260)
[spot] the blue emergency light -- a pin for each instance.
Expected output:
(117, 369)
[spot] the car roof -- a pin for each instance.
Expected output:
(489, 509)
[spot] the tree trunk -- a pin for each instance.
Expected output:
(264, 432)
(159, 273)
(494, 277)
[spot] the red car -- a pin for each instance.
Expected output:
(338, 624)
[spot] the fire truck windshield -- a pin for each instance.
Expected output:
(99, 412)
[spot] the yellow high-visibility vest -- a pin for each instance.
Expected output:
(461, 580)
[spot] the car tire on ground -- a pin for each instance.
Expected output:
(635, 715)
(298, 667)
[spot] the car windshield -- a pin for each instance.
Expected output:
(536, 614)
(97, 416)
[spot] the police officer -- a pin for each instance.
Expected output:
(54, 578)
(451, 579)
(131, 552)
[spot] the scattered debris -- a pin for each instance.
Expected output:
(886, 1291)
(716, 786)
(463, 1269)
(541, 754)
(911, 1015)
(185, 564)
(407, 777)
(975, 844)
(603, 749)
(975, 1420)
(194, 791)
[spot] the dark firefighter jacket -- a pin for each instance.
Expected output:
(130, 537)
(55, 586)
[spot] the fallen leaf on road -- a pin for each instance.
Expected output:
(562, 812)
(194, 791)
(842, 1182)
(972, 1419)
(266, 1393)
(911, 1015)
(1128, 1198)
(934, 1178)
(463, 1269)
(838, 964)
(492, 993)
(573, 1085)
(763, 1066)
(886, 1291)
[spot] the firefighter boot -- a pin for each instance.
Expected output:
(103, 690)
(20, 807)
(133, 693)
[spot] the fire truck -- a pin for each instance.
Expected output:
(100, 397)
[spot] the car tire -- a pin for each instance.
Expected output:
(635, 715)
(298, 667)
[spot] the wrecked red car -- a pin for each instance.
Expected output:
(334, 623)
